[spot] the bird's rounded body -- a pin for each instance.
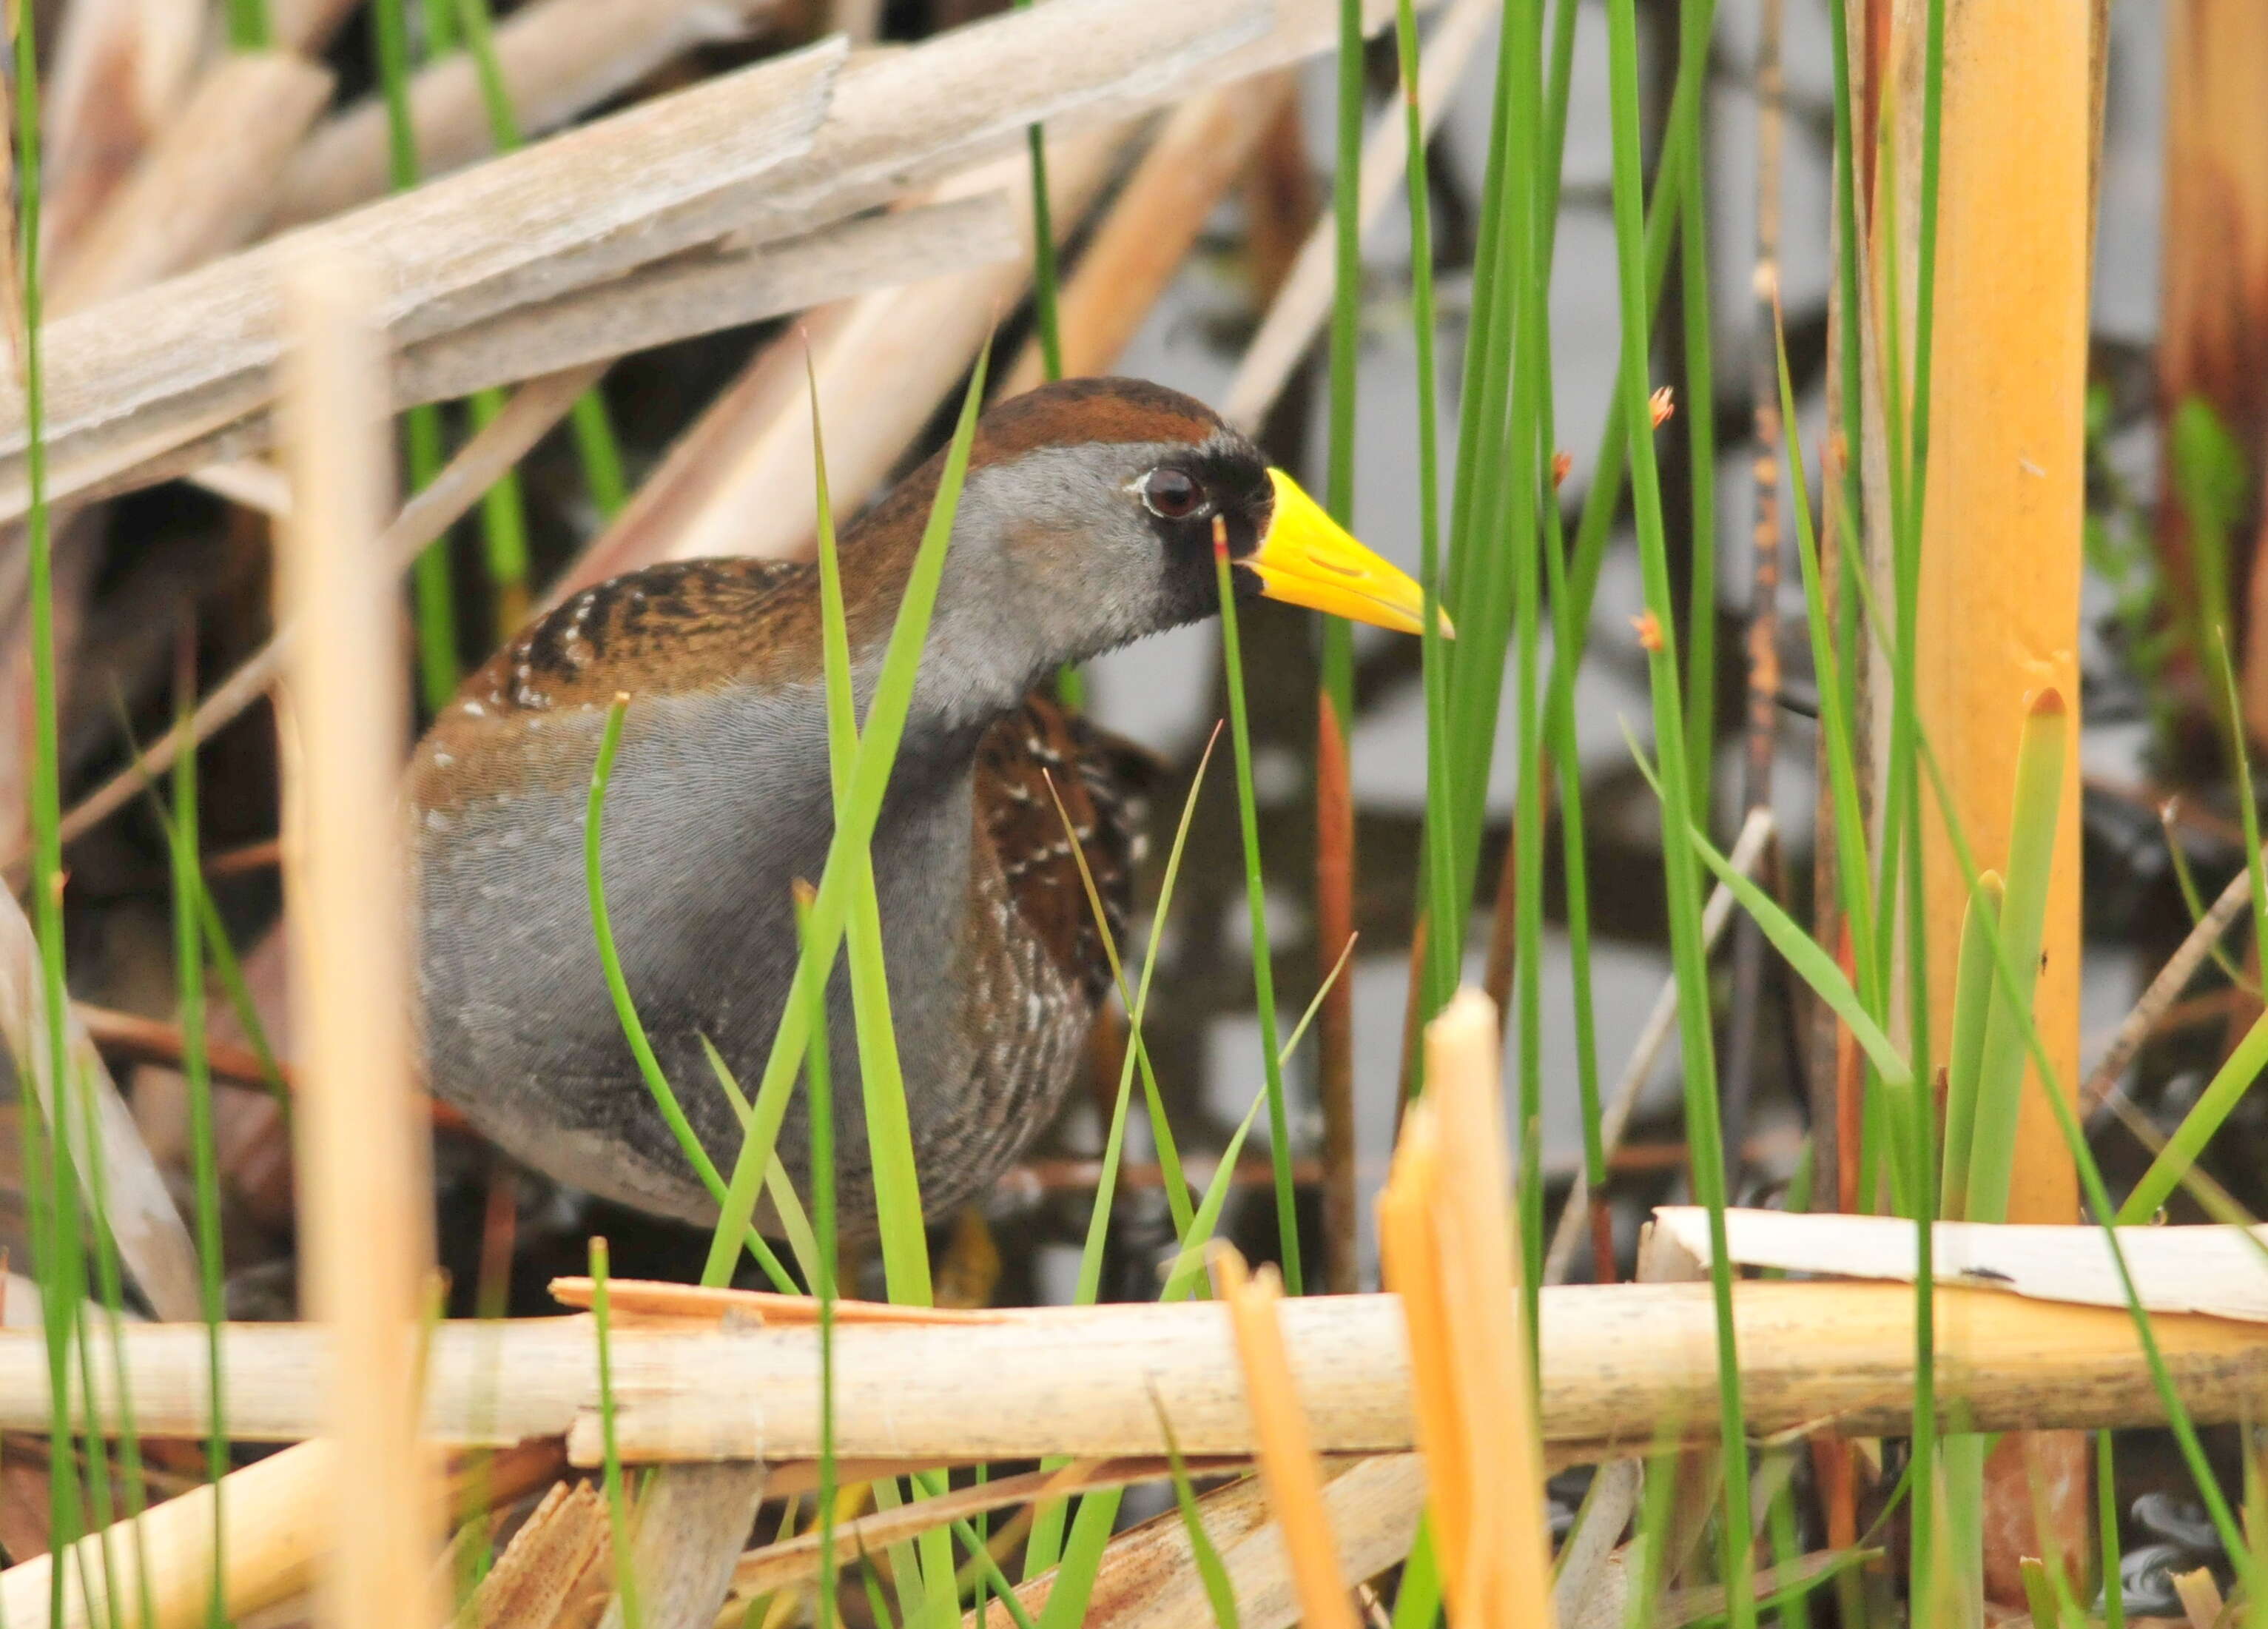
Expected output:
(1091, 517)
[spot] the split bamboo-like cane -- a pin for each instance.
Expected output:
(365, 1182)
(1450, 1252)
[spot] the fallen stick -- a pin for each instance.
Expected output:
(1087, 1381)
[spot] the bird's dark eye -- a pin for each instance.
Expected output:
(1172, 494)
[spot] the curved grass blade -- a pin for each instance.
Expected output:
(870, 771)
(656, 1083)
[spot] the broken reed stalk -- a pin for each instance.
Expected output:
(1199, 151)
(364, 1180)
(1998, 624)
(1288, 1467)
(1449, 1251)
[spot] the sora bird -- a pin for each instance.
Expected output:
(1088, 519)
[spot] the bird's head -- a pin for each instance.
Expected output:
(1093, 510)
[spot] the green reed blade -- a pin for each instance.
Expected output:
(2248, 806)
(1972, 1004)
(1804, 954)
(2236, 1076)
(434, 594)
(1836, 708)
(50, 1174)
(857, 811)
(825, 1245)
(1699, 411)
(248, 25)
(1704, 1129)
(2021, 922)
(1255, 897)
(2012, 978)
(803, 1244)
(2193, 901)
(881, 1075)
(1345, 343)
(197, 1074)
(618, 1521)
(1220, 1594)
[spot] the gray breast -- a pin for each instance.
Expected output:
(717, 806)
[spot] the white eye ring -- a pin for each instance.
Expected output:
(1196, 489)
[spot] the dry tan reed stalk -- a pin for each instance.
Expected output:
(531, 413)
(1198, 153)
(1148, 1580)
(205, 183)
(1288, 1468)
(673, 299)
(1448, 1243)
(558, 59)
(883, 367)
(117, 70)
(1747, 851)
(274, 1508)
(275, 1513)
(152, 1244)
(1086, 1381)
(365, 1182)
(1305, 298)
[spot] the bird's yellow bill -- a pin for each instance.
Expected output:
(1308, 558)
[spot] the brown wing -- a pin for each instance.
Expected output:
(1101, 783)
